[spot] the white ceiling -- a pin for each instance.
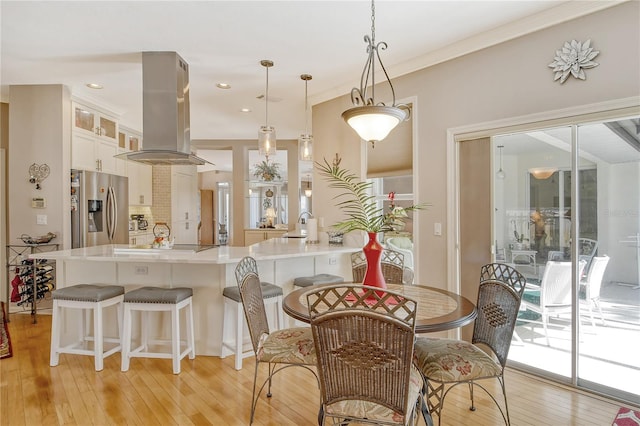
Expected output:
(79, 42)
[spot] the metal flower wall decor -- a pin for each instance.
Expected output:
(573, 59)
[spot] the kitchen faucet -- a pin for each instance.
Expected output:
(301, 219)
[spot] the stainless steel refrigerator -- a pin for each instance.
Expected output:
(99, 209)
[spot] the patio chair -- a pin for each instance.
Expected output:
(587, 249)
(364, 344)
(392, 264)
(446, 363)
(402, 245)
(553, 295)
(592, 286)
(284, 348)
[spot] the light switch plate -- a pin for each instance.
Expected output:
(437, 229)
(41, 219)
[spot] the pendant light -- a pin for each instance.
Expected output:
(307, 191)
(500, 174)
(305, 142)
(266, 134)
(370, 119)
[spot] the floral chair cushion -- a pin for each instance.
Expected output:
(449, 360)
(376, 412)
(291, 346)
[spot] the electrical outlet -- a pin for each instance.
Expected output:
(332, 261)
(141, 270)
(41, 219)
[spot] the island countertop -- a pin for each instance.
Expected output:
(273, 249)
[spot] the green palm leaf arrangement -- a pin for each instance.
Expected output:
(357, 202)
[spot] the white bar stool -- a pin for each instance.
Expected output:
(157, 299)
(85, 297)
(271, 294)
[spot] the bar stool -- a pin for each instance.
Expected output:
(158, 299)
(317, 279)
(271, 294)
(85, 297)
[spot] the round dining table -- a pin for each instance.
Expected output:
(438, 309)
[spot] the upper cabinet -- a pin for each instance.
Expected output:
(94, 141)
(140, 175)
(94, 123)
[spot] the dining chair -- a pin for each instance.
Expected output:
(446, 363)
(280, 349)
(363, 339)
(592, 286)
(391, 262)
(587, 249)
(552, 296)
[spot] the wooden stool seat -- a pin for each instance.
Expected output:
(158, 299)
(86, 297)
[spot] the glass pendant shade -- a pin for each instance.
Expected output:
(374, 123)
(267, 140)
(305, 141)
(305, 147)
(267, 133)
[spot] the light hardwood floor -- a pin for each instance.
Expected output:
(210, 392)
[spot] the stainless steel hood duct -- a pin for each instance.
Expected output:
(166, 136)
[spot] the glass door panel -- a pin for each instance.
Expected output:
(532, 232)
(609, 223)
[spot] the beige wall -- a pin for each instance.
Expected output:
(39, 132)
(505, 81)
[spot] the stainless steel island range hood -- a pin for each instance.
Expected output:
(166, 137)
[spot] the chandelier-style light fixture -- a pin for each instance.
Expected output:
(500, 174)
(266, 134)
(373, 121)
(305, 142)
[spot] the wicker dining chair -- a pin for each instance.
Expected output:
(289, 347)
(364, 344)
(446, 363)
(391, 262)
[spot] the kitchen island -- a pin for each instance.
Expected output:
(280, 260)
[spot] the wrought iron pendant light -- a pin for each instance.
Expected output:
(372, 120)
(266, 134)
(305, 142)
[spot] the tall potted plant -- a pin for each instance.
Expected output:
(364, 214)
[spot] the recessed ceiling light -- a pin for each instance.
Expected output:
(223, 86)
(245, 110)
(94, 86)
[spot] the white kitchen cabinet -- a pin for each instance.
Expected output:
(94, 142)
(91, 122)
(140, 175)
(138, 238)
(184, 204)
(252, 236)
(140, 184)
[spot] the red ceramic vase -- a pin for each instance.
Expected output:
(373, 253)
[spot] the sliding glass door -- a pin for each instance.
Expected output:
(567, 215)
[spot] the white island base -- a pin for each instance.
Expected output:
(207, 272)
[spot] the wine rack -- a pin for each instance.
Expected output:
(29, 280)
